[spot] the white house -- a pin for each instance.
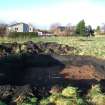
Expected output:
(20, 27)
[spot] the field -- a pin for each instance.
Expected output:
(93, 46)
(66, 71)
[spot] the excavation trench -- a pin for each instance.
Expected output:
(35, 73)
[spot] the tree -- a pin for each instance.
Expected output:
(68, 29)
(103, 28)
(3, 29)
(55, 28)
(80, 28)
(98, 29)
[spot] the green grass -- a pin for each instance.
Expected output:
(94, 46)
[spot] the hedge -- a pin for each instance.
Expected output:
(22, 34)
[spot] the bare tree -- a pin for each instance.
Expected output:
(69, 29)
(3, 29)
(54, 28)
(103, 28)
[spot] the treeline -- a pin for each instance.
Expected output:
(57, 29)
(79, 30)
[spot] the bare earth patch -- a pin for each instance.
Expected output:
(83, 72)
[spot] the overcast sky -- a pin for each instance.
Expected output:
(43, 13)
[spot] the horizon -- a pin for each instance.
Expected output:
(43, 13)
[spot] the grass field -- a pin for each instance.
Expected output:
(93, 46)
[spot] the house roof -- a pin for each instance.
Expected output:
(62, 28)
(16, 24)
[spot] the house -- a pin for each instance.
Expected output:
(20, 27)
(64, 30)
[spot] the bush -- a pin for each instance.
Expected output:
(70, 92)
(45, 102)
(22, 34)
(53, 98)
(96, 97)
(81, 101)
(68, 96)
(64, 101)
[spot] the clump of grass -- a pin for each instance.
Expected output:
(69, 92)
(96, 97)
(45, 101)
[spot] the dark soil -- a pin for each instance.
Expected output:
(38, 48)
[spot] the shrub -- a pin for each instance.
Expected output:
(22, 34)
(64, 101)
(53, 98)
(70, 92)
(95, 90)
(45, 102)
(81, 101)
(96, 97)
(69, 96)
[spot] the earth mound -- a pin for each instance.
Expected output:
(38, 48)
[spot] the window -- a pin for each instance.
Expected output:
(16, 29)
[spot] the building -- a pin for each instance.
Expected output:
(20, 27)
(44, 33)
(64, 30)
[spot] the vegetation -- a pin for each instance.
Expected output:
(29, 101)
(69, 92)
(22, 34)
(98, 29)
(80, 28)
(2, 29)
(68, 96)
(96, 97)
(93, 46)
(2, 103)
